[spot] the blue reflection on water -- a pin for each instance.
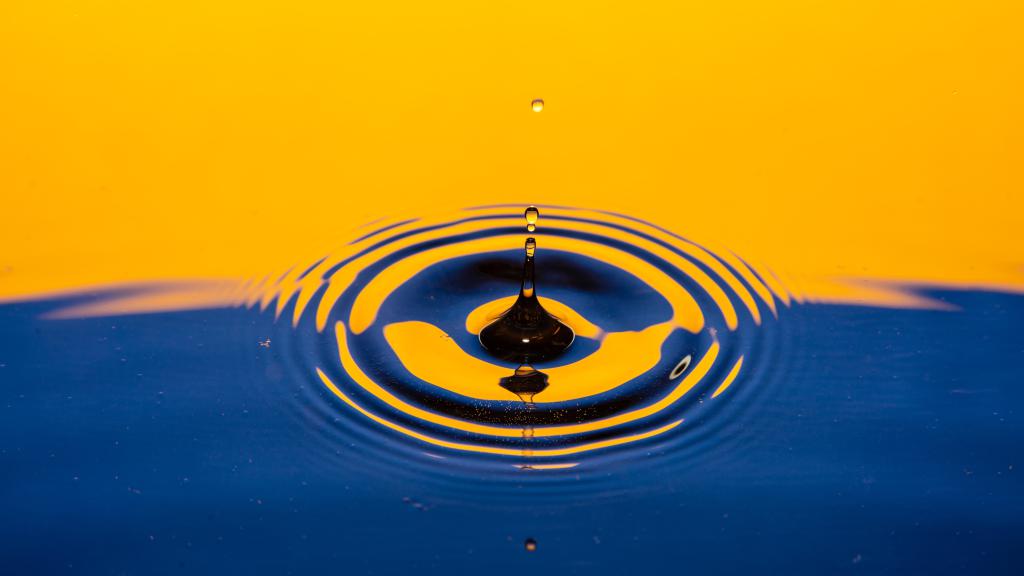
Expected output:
(158, 444)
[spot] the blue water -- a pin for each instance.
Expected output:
(890, 443)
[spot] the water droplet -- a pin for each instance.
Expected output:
(537, 105)
(526, 332)
(530, 545)
(532, 214)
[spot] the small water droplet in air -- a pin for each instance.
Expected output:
(532, 214)
(537, 105)
(530, 544)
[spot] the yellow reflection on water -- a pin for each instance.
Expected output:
(553, 452)
(427, 352)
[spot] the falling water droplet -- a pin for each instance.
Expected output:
(537, 105)
(532, 214)
(530, 545)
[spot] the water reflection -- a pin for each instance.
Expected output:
(676, 347)
(389, 330)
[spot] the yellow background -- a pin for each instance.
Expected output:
(200, 139)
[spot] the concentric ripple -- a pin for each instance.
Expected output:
(385, 330)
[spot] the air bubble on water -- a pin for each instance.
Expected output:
(537, 105)
(680, 368)
(530, 545)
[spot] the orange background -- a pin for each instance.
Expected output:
(201, 139)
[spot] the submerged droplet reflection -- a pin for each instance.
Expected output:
(525, 382)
